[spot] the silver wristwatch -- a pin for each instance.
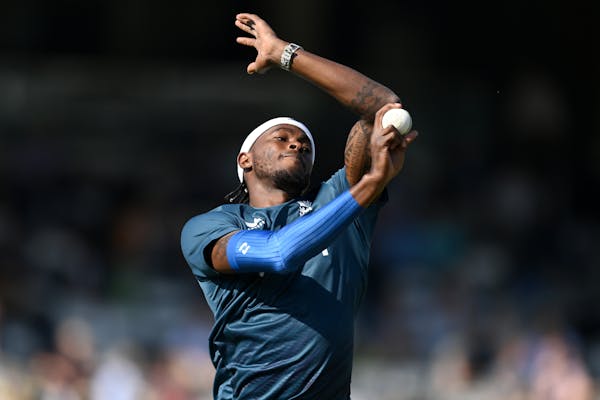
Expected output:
(288, 55)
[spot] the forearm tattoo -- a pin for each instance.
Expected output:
(357, 156)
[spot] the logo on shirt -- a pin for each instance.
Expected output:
(244, 248)
(258, 223)
(304, 207)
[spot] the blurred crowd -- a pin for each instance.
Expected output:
(524, 367)
(482, 284)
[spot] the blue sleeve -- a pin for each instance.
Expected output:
(290, 247)
(201, 231)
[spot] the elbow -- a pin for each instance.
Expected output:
(287, 261)
(386, 97)
(394, 99)
(391, 97)
(283, 266)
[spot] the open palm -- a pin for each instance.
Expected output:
(263, 39)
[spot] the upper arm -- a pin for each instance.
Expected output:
(357, 157)
(370, 97)
(216, 254)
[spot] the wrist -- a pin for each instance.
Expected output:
(367, 189)
(274, 55)
(287, 55)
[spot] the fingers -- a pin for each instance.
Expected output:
(246, 41)
(392, 138)
(411, 136)
(249, 22)
(389, 132)
(408, 139)
(383, 110)
(249, 19)
(247, 26)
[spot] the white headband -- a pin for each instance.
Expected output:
(265, 126)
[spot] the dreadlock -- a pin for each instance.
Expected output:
(238, 195)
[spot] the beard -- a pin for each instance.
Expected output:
(293, 179)
(294, 182)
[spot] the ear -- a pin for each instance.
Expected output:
(244, 160)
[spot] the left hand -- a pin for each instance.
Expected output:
(268, 46)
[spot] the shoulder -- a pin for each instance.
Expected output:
(329, 189)
(217, 219)
(222, 212)
(202, 230)
(339, 180)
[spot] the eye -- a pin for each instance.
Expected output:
(280, 138)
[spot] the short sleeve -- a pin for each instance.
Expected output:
(338, 181)
(199, 232)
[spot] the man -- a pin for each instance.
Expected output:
(283, 273)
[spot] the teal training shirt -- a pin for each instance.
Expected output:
(283, 336)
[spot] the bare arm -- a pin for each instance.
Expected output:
(352, 89)
(218, 254)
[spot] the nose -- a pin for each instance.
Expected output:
(294, 143)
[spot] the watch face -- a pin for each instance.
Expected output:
(288, 54)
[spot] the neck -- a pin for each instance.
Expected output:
(261, 196)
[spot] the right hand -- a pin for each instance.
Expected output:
(388, 148)
(268, 46)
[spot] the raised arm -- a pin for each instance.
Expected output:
(352, 89)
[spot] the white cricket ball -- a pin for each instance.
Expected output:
(398, 117)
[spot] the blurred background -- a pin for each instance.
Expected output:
(119, 120)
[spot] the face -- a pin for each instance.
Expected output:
(283, 155)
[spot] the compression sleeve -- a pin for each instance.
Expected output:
(290, 247)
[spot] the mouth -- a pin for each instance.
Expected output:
(291, 155)
(297, 159)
